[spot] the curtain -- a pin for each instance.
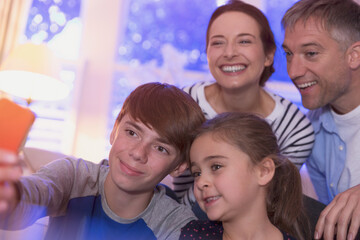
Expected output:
(13, 17)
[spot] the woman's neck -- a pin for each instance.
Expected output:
(252, 99)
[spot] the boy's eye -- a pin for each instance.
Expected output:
(162, 149)
(130, 132)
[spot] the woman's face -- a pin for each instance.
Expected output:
(235, 51)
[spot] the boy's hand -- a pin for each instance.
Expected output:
(341, 216)
(10, 172)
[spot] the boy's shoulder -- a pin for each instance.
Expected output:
(166, 215)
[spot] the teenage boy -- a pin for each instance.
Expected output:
(322, 46)
(118, 198)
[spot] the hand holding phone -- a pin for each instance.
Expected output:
(15, 123)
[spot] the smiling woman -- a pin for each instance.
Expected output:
(240, 51)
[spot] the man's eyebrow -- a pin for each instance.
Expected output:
(311, 44)
(304, 45)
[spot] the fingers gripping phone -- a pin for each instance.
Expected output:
(15, 123)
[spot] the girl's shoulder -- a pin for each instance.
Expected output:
(199, 229)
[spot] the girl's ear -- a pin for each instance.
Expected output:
(179, 169)
(265, 171)
(354, 55)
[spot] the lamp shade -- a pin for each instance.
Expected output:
(31, 71)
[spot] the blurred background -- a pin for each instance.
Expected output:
(104, 49)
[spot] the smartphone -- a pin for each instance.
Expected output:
(15, 123)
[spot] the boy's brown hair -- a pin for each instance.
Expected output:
(171, 112)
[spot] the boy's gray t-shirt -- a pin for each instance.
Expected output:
(73, 191)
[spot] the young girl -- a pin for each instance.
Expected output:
(244, 183)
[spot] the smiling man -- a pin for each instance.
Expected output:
(118, 198)
(322, 46)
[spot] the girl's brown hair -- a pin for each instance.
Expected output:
(254, 136)
(266, 35)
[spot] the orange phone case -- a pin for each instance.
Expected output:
(15, 123)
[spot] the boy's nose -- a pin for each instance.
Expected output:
(139, 152)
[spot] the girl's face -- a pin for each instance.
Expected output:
(235, 51)
(226, 182)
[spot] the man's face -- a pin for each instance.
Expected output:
(139, 158)
(317, 65)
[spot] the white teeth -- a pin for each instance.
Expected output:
(233, 69)
(211, 199)
(305, 85)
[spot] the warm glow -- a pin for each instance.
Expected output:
(31, 72)
(32, 86)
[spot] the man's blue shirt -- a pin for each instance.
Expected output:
(327, 160)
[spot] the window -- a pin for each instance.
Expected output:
(110, 47)
(56, 23)
(164, 40)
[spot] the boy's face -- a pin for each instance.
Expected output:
(139, 158)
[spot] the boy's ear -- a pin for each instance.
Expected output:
(113, 134)
(354, 55)
(265, 171)
(179, 169)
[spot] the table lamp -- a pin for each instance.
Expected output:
(31, 71)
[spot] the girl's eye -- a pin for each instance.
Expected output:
(215, 167)
(196, 174)
(162, 149)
